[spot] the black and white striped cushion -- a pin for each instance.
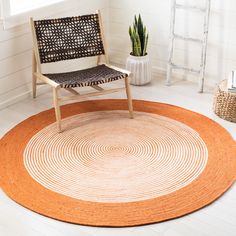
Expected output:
(88, 77)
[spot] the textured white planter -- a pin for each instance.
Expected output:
(140, 68)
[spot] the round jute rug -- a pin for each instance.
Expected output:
(105, 169)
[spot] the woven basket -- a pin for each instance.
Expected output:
(225, 103)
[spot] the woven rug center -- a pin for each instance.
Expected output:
(106, 157)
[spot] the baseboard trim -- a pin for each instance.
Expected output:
(22, 96)
(161, 73)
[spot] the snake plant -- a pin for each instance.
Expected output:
(139, 37)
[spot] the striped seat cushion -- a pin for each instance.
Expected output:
(87, 77)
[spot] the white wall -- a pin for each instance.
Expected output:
(221, 57)
(15, 52)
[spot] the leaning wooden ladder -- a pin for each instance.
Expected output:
(173, 36)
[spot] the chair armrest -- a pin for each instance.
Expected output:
(47, 80)
(117, 68)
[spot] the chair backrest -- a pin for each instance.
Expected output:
(68, 38)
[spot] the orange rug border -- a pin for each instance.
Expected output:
(222, 172)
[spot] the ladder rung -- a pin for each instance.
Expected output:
(188, 39)
(193, 8)
(184, 68)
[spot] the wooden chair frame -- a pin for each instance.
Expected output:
(57, 100)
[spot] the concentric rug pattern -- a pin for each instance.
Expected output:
(108, 170)
(110, 158)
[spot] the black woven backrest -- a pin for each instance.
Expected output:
(69, 38)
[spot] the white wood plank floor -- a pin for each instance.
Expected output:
(218, 219)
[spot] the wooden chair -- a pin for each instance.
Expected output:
(72, 38)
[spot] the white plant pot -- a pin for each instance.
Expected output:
(140, 69)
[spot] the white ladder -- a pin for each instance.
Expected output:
(173, 36)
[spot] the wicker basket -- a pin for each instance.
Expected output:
(225, 103)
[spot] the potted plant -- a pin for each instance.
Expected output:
(138, 60)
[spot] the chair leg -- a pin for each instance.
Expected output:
(34, 81)
(34, 78)
(128, 93)
(57, 108)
